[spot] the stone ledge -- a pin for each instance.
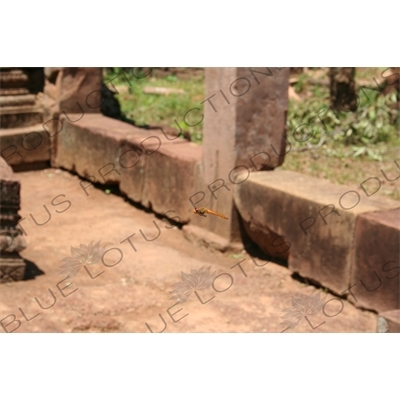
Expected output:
(92, 144)
(21, 116)
(25, 145)
(313, 215)
(153, 168)
(163, 180)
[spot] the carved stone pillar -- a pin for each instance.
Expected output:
(12, 265)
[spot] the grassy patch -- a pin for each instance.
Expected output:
(157, 109)
(344, 147)
(311, 123)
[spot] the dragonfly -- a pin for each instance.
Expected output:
(202, 211)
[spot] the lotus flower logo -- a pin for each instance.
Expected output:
(82, 256)
(302, 307)
(197, 280)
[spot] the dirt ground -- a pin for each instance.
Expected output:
(132, 295)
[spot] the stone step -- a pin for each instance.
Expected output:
(13, 78)
(19, 146)
(20, 116)
(13, 92)
(22, 100)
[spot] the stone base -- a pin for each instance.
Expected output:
(22, 116)
(26, 145)
(12, 267)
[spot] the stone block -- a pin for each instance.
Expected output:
(20, 116)
(90, 145)
(102, 149)
(138, 152)
(21, 146)
(170, 179)
(316, 217)
(376, 270)
(133, 168)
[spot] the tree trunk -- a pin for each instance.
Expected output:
(343, 94)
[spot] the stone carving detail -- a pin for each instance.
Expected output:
(18, 89)
(12, 265)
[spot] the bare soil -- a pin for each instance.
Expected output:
(137, 290)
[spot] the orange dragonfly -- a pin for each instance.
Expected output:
(202, 211)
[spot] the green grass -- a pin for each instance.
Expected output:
(343, 147)
(375, 122)
(370, 73)
(167, 110)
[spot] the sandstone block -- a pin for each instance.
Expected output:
(316, 217)
(19, 146)
(170, 175)
(376, 270)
